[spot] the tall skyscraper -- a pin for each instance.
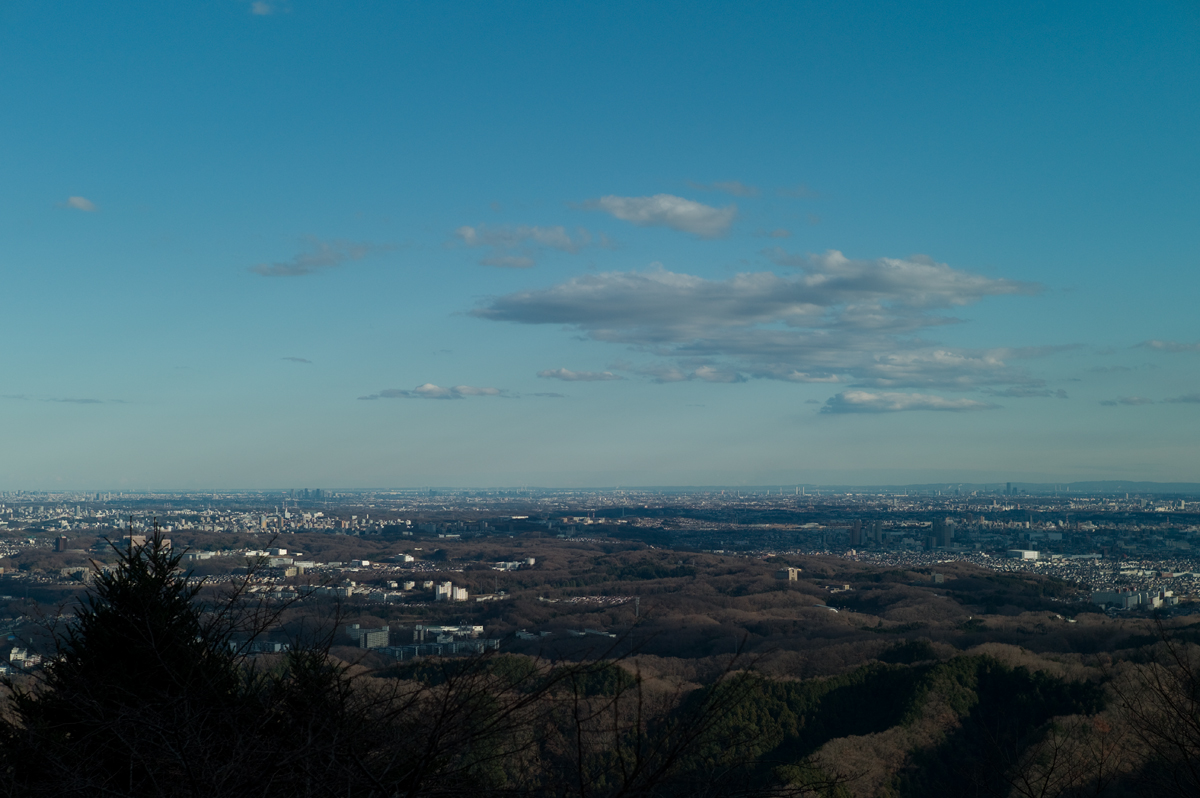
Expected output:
(943, 533)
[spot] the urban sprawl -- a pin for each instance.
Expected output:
(1133, 551)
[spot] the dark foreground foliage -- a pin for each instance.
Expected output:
(149, 695)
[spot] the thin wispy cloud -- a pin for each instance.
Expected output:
(262, 8)
(667, 210)
(798, 191)
(735, 187)
(508, 261)
(508, 237)
(664, 373)
(321, 256)
(550, 395)
(1127, 400)
(840, 320)
(1186, 399)
(1029, 352)
(67, 400)
(431, 391)
(80, 204)
(567, 375)
(518, 246)
(1027, 392)
(1174, 347)
(297, 359)
(661, 372)
(866, 402)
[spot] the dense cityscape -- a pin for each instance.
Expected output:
(1106, 542)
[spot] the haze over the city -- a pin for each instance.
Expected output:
(299, 244)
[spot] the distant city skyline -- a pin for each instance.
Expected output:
(256, 245)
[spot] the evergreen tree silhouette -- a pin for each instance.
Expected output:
(140, 694)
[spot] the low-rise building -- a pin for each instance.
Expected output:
(370, 638)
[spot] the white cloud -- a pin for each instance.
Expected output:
(322, 255)
(81, 204)
(431, 391)
(470, 390)
(942, 368)
(667, 210)
(578, 376)
(865, 402)
(1171, 346)
(735, 187)
(787, 374)
(714, 374)
(839, 321)
(917, 281)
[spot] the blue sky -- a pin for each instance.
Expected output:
(379, 244)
